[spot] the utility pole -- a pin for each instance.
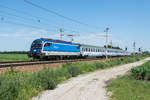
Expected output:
(106, 50)
(111, 43)
(61, 33)
(71, 36)
(126, 48)
(134, 46)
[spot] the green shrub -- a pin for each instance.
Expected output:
(100, 65)
(9, 88)
(61, 74)
(47, 79)
(141, 72)
(73, 70)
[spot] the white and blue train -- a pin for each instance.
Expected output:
(44, 48)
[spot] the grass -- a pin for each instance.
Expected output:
(14, 57)
(134, 86)
(16, 85)
(126, 88)
(141, 72)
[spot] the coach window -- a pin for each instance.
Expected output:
(82, 49)
(86, 49)
(47, 45)
(100, 50)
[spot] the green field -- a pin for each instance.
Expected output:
(14, 57)
(134, 86)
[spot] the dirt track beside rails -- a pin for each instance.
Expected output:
(87, 87)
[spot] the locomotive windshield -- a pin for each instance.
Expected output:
(36, 44)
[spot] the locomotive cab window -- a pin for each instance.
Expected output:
(47, 45)
(36, 44)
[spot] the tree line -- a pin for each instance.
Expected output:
(14, 52)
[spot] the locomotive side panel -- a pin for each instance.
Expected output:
(60, 49)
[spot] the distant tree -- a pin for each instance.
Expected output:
(146, 53)
(14, 52)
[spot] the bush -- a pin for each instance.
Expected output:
(9, 88)
(73, 70)
(47, 79)
(100, 65)
(141, 72)
(61, 74)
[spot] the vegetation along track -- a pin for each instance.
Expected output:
(25, 63)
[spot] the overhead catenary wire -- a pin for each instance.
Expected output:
(26, 25)
(36, 18)
(41, 20)
(29, 19)
(24, 18)
(10, 14)
(60, 15)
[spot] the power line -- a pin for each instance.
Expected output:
(38, 19)
(58, 14)
(24, 18)
(18, 11)
(10, 14)
(25, 25)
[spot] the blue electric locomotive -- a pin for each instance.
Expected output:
(50, 48)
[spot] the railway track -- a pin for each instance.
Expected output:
(25, 63)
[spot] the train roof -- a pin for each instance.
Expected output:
(91, 46)
(57, 41)
(67, 42)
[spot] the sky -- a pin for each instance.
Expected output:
(128, 21)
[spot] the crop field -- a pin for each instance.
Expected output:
(14, 57)
(134, 86)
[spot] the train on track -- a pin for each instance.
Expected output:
(45, 48)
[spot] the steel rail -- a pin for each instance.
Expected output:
(25, 63)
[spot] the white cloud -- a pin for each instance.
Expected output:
(91, 39)
(25, 34)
